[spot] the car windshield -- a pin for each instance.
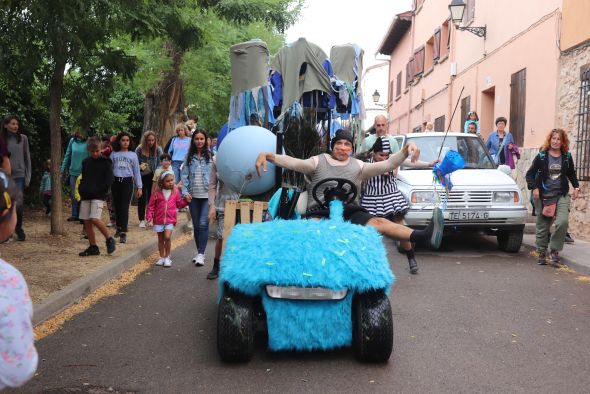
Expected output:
(470, 148)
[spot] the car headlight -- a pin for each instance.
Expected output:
(305, 293)
(506, 197)
(423, 197)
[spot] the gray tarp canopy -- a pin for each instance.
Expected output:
(343, 58)
(249, 65)
(288, 62)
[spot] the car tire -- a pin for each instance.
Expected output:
(372, 327)
(235, 327)
(510, 241)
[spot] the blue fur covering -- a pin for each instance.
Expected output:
(328, 253)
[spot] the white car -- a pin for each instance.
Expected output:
(482, 199)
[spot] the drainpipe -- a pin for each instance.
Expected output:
(409, 128)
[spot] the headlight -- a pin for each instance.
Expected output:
(305, 293)
(506, 197)
(423, 197)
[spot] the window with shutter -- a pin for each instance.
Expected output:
(408, 75)
(419, 62)
(439, 124)
(469, 11)
(398, 87)
(429, 54)
(390, 93)
(465, 108)
(436, 46)
(517, 106)
(583, 137)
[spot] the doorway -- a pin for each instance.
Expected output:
(486, 118)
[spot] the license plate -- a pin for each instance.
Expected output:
(468, 215)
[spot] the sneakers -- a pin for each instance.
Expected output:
(142, 224)
(542, 258)
(92, 250)
(554, 258)
(568, 239)
(161, 261)
(20, 235)
(438, 221)
(199, 260)
(72, 219)
(122, 238)
(167, 262)
(111, 245)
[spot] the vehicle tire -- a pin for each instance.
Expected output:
(510, 241)
(372, 327)
(235, 327)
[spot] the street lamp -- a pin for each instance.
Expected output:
(376, 96)
(457, 9)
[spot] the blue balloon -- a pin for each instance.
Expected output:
(237, 155)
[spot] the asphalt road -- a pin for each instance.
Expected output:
(473, 320)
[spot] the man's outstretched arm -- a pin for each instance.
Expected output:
(306, 166)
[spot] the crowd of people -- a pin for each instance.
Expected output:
(110, 171)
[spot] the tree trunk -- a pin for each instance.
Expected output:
(55, 92)
(163, 106)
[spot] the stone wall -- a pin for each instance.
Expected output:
(568, 102)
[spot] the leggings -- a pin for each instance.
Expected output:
(199, 209)
(122, 189)
(143, 201)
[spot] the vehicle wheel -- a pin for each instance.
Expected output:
(510, 241)
(235, 327)
(372, 327)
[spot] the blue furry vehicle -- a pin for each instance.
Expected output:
(309, 284)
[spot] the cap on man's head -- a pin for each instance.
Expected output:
(341, 134)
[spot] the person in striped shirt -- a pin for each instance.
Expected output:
(382, 198)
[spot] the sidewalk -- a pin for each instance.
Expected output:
(576, 255)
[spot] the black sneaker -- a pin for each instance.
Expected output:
(554, 258)
(542, 258)
(122, 238)
(72, 219)
(111, 245)
(568, 239)
(20, 234)
(413, 265)
(92, 250)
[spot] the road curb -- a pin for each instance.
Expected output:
(75, 291)
(581, 269)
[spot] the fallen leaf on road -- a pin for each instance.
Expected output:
(585, 279)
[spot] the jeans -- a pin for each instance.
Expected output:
(20, 183)
(176, 169)
(199, 209)
(75, 204)
(544, 225)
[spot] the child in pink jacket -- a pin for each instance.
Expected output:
(162, 210)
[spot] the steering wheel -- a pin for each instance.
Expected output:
(337, 192)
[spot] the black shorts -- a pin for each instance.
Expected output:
(357, 215)
(352, 213)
